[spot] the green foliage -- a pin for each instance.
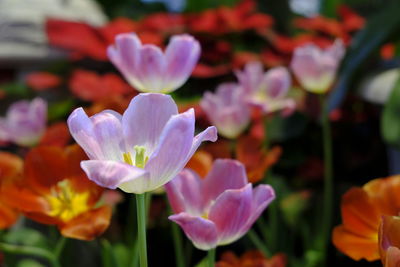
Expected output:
(26, 237)
(15, 89)
(390, 122)
(59, 110)
(281, 129)
(29, 263)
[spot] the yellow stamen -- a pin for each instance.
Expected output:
(128, 158)
(65, 203)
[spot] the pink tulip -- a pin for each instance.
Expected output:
(267, 90)
(315, 68)
(141, 150)
(227, 109)
(219, 209)
(148, 69)
(25, 122)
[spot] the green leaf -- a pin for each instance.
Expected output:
(29, 263)
(375, 33)
(390, 121)
(26, 237)
(59, 110)
(15, 89)
(202, 263)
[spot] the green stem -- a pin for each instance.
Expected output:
(33, 251)
(180, 260)
(328, 178)
(59, 247)
(141, 217)
(211, 257)
(258, 243)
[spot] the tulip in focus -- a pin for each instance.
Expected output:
(227, 109)
(219, 209)
(24, 123)
(267, 90)
(315, 68)
(141, 150)
(148, 69)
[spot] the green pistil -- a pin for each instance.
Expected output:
(140, 159)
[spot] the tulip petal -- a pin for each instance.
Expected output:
(263, 195)
(126, 56)
(277, 82)
(182, 54)
(201, 232)
(209, 134)
(171, 155)
(107, 129)
(88, 225)
(230, 212)
(81, 128)
(185, 193)
(225, 174)
(145, 119)
(151, 69)
(113, 174)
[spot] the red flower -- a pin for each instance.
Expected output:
(90, 86)
(40, 81)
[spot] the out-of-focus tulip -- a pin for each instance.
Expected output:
(227, 109)
(41, 81)
(24, 123)
(141, 150)
(11, 168)
(362, 209)
(315, 68)
(219, 209)
(267, 90)
(54, 190)
(389, 241)
(148, 69)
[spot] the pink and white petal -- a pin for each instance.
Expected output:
(175, 143)
(201, 232)
(145, 119)
(263, 195)
(152, 68)
(225, 174)
(81, 129)
(112, 174)
(38, 111)
(209, 134)
(182, 54)
(230, 212)
(107, 129)
(277, 82)
(185, 193)
(4, 131)
(125, 55)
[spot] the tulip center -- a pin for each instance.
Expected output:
(65, 203)
(140, 157)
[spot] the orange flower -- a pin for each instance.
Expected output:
(10, 168)
(249, 151)
(251, 259)
(389, 241)
(362, 208)
(54, 190)
(56, 135)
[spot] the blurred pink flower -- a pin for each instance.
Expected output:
(148, 69)
(227, 109)
(267, 90)
(219, 209)
(315, 68)
(24, 123)
(141, 150)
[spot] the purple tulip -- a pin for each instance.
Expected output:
(141, 150)
(148, 69)
(24, 123)
(227, 109)
(219, 209)
(267, 90)
(315, 68)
